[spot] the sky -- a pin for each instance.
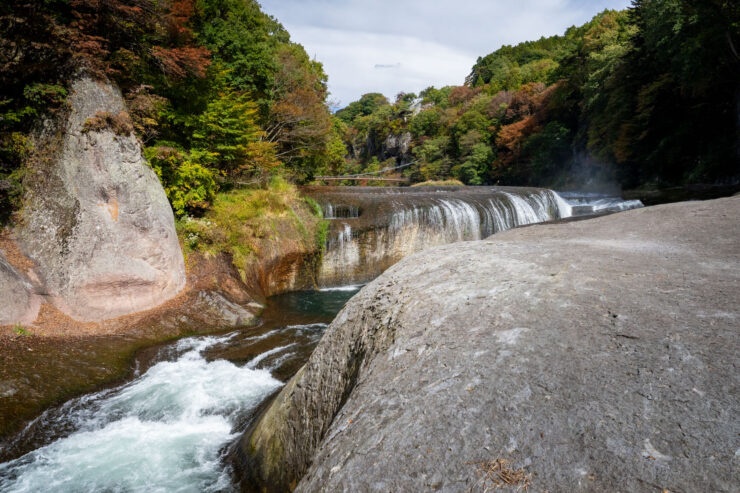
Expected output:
(390, 46)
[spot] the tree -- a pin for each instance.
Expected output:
(476, 168)
(365, 106)
(228, 132)
(299, 122)
(435, 161)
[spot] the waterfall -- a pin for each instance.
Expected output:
(339, 211)
(583, 203)
(391, 224)
(342, 250)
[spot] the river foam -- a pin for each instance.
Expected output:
(164, 431)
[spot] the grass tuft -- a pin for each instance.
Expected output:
(439, 183)
(497, 474)
(21, 330)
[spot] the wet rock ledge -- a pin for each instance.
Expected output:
(591, 356)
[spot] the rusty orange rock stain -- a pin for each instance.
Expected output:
(113, 209)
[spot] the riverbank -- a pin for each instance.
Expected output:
(186, 402)
(275, 237)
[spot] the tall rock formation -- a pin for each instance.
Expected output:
(20, 301)
(96, 220)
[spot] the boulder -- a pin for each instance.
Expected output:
(96, 220)
(598, 355)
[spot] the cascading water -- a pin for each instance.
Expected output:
(395, 223)
(165, 428)
(169, 428)
(585, 203)
(339, 211)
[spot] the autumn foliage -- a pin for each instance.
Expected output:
(215, 90)
(528, 111)
(643, 96)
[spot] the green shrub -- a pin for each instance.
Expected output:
(248, 221)
(44, 95)
(315, 207)
(190, 186)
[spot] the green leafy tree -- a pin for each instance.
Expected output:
(227, 130)
(434, 156)
(548, 150)
(190, 186)
(365, 106)
(477, 167)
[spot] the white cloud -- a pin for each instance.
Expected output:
(432, 42)
(361, 62)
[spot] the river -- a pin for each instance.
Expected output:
(170, 426)
(168, 429)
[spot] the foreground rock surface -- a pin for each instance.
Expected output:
(96, 220)
(594, 356)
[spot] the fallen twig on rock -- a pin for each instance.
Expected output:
(497, 474)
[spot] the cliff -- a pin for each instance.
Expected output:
(96, 221)
(587, 356)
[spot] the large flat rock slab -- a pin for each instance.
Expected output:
(592, 356)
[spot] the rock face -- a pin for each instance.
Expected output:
(595, 356)
(97, 221)
(20, 302)
(397, 145)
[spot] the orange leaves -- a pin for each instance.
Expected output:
(131, 12)
(511, 137)
(528, 107)
(160, 28)
(182, 61)
(462, 94)
(526, 101)
(182, 56)
(177, 20)
(182, 10)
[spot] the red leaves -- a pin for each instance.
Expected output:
(463, 94)
(526, 101)
(182, 57)
(129, 11)
(177, 20)
(182, 61)
(528, 108)
(101, 30)
(182, 10)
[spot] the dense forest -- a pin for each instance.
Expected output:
(215, 89)
(221, 98)
(649, 96)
